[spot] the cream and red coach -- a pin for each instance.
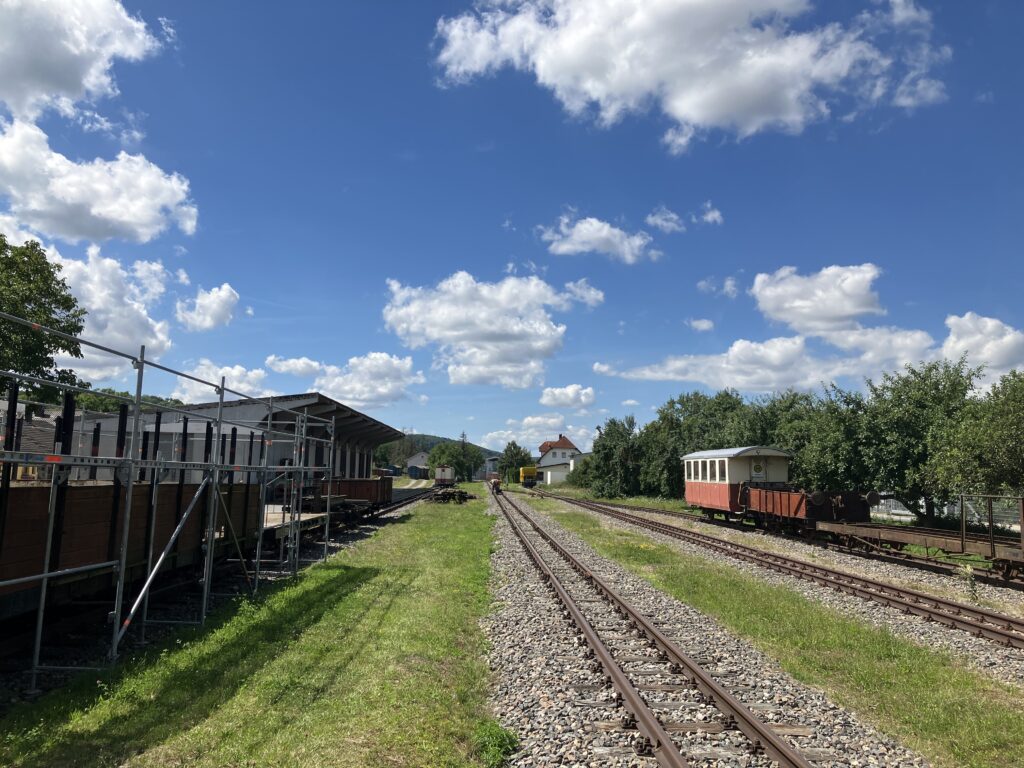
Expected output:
(753, 481)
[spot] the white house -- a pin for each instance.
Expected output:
(555, 460)
(417, 460)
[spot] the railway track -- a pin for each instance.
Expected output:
(612, 627)
(869, 550)
(981, 622)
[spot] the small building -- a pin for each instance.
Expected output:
(418, 459)
(554, 463)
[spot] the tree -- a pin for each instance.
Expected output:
(464, 458)
(905, 417)
(100, 400)
(826, 442)
(616, 459)
(983, 450)
(34, 290)
(512, 458)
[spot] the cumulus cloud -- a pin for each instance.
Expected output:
(236, 377)
(370, 381)
(826, 307)
(57, 53)
(571, 396)
(531, 431)
(584, 292)
(986, 341)
(485, 333)
(630, 402)
(701, 324)
(589, 235)
(661, 218)
(118, 302)
(128, 197)
(743, 66)
(297, 366)
(209, 309)
(830, 299)
(182, 277)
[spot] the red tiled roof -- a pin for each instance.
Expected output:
(561, 442)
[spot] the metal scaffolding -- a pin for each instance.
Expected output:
(131, 464)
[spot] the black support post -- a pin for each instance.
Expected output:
(7, 469)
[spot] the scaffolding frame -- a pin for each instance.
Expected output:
(129, 467)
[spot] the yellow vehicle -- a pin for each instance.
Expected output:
(528, 476)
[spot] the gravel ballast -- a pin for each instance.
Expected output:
(999, 662)
(545, 693)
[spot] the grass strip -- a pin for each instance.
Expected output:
(373, 658)
(925, 698)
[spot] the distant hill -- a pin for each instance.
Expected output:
(400, 450)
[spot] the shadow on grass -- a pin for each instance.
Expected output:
(160, 695)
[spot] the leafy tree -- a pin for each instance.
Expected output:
(100, 400)
(905, 417)
(464, 458)
(983, 450)
(826, 442)
(34, 290)
(661, 469)
(512, 458)
(616, 459)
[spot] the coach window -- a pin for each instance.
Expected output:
(721, 471)
(689, 470)
(714, 475)
(704, 470)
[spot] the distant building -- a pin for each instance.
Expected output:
(554, 463)
(417, 460)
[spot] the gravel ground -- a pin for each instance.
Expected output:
(544, 692)
(1004, 600)
(1003, 664)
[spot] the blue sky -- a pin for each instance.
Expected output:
(518, 220)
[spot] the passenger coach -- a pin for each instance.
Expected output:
(715, 479)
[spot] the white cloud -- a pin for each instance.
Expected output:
(701, 324)
(711, 215)
(486, 333)
(128, 197)
(209, 309)
(589, 235)
(118, 305)
(826, 307)
(630, 402)
(370, 381)
(986, 341)
(237, 377)
(729, 288)
(584, 292)
(297, 366)
(571, 396)
(57, 53)
(742, 66)
(531, 431)
(182, 277)
(663, 219)
(830, 299)
(250, 312)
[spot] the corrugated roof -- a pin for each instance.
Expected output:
(733, 453)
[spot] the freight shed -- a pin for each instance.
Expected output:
(245, 421)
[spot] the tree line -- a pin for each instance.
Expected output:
(922, 435)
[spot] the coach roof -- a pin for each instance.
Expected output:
(735, 453)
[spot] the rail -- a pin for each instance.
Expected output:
(1003, 629)
(760, 734)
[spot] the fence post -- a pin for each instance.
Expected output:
(122, 566)
(211, 527)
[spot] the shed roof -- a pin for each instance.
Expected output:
(735, 453)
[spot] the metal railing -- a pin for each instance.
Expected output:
(130, 465)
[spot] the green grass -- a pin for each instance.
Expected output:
(373, 658)
(927, 699)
